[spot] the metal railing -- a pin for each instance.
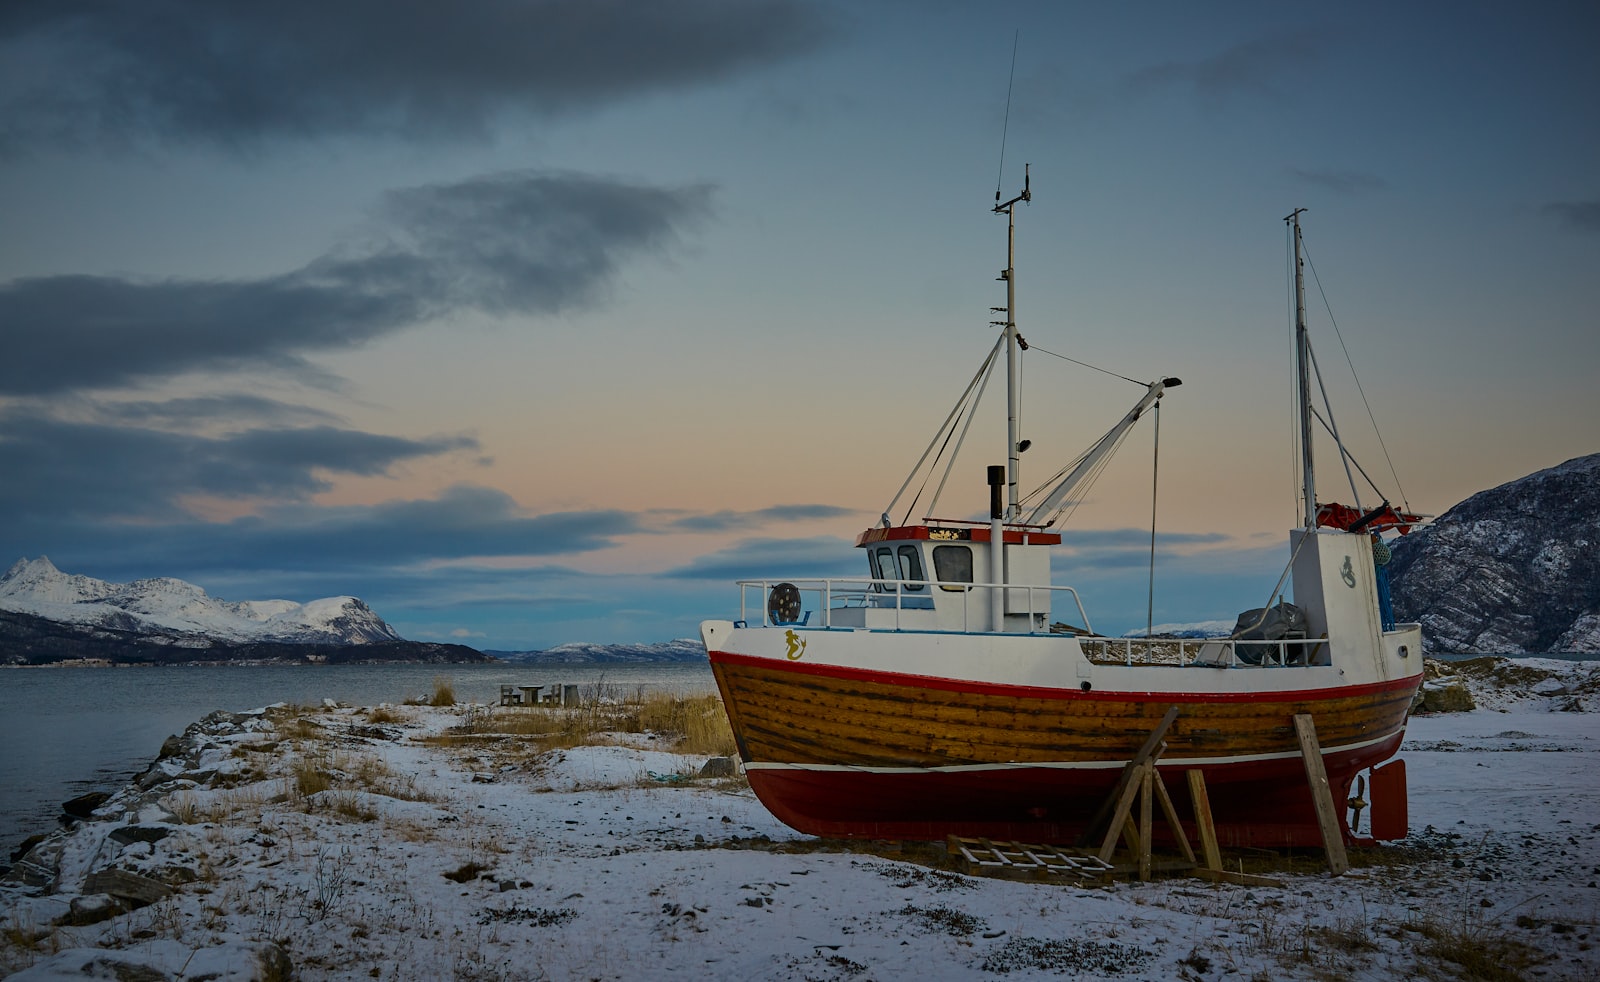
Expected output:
(922, 596)
(1210, 652)
(829, 596)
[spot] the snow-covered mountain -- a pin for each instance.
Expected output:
(1512, 569)
(181, 613)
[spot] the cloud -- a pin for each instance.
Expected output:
(238, 73)
(813, 557)
(66, 472)
(1341, 181)
(516, 243)
(1249, 67)
(197, 412)
(724, 521)
(1581, 216)
(465, 522)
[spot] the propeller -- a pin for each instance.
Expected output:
(1357, 802)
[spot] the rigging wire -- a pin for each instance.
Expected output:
(1064, 513)
(1333, 424)
(1105, 371)
(946, 431)
(1348, 360)
(1362, 470)
(972, 414)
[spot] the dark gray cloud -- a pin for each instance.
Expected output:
(464, 523)
(195, 412)
(532, 243)
(1255, 66)
(62, 473)
(1582, 216)
(236, 73)
(816, 556)
(725, 521)
(1342, 181)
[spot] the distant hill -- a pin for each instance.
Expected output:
(49, 616)
(1512, 569)
(681, 650)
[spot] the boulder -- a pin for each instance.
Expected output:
(1443, 696)
(164, 961)
(84, 805)
(719, 767)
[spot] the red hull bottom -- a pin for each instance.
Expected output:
(1264, 804)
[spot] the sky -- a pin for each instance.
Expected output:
(532, 322)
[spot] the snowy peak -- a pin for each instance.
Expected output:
(40, 581)
(181, 611)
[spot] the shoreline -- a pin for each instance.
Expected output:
(403, 842)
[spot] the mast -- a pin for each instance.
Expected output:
(1302, 358)
(1013, 388)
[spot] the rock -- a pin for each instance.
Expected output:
(84, 805)
(92, 909)
(27, 844)
(165, 961)
(1550, 687)
(719, 767)
(123, 884)
(127, 834)
(1443, 696)
(172, 746)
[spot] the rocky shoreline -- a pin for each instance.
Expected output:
(475, 842)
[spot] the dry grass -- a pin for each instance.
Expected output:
(385, 714)
(692, 725)
(444, 692)
(1470, 949)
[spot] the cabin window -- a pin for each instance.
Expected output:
(910, 566)
(952, 564)
(882, 562)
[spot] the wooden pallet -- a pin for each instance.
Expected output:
(1017, 860)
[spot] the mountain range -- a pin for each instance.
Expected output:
(47, 615)
(1512, 569)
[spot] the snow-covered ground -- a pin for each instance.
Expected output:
(432, 856)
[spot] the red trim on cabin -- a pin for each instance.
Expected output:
(1045, 692)
(1013, 535)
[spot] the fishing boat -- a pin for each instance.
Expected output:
(941, 695)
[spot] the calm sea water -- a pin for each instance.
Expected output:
(65, 731)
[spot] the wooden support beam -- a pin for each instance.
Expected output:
(1202, 819)
(1146, 793)
(1243, 879)
(1122, 810)
(1171, 813)
(1321, 794)
(1153, 747)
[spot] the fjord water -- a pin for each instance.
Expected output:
(66, 731)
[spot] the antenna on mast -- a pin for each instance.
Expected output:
(1006, 125)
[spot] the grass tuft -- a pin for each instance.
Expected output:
(1471, 948)
(444, 692)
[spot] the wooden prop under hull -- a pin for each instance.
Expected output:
(890, 757)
